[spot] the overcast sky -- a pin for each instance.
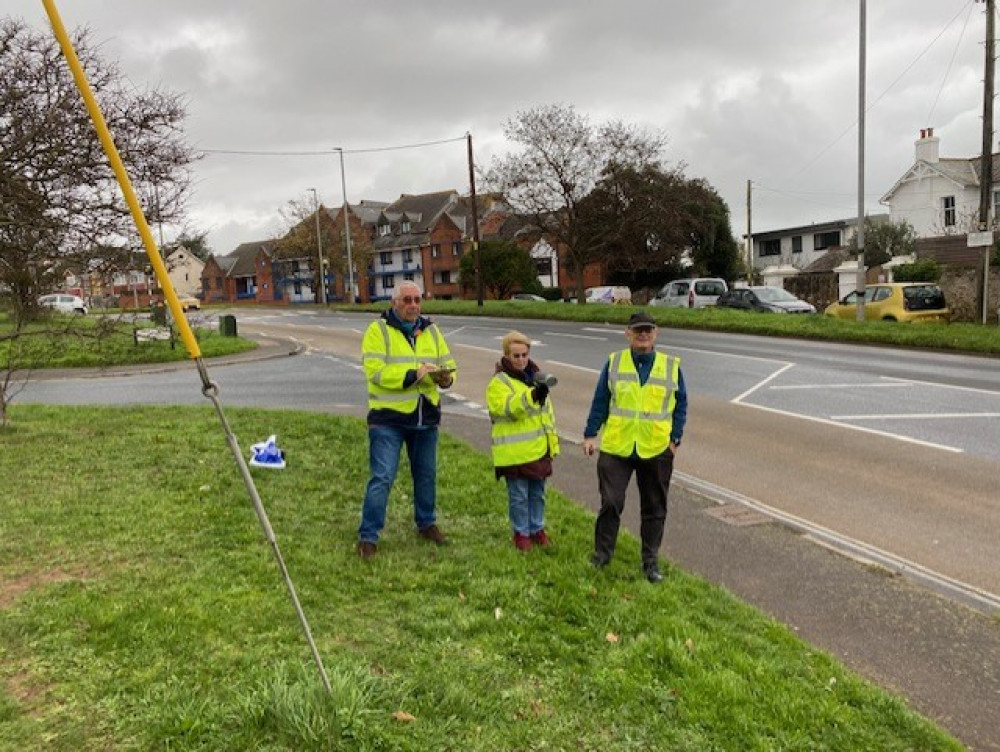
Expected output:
(762, 90)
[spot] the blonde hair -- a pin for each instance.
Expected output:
(514, 338)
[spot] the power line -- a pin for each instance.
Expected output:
(880, 96)
(327, 152)
(950, 64)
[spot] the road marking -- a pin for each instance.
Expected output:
(789, 387)
(848, 426)
(760, 384)
(978, 390)
(723, 354)
(976, 597)
(914, 416)
(559, 363)
(584, 336)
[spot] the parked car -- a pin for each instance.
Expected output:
(189, 303)
(527, 297)
(64, 303)
(764, 299)
(609, 295)
(690, 293)
(896, 301)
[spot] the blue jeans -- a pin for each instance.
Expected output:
(384, 446)
(526, 505)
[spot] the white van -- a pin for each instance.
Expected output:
(609, 295)
(690, 293)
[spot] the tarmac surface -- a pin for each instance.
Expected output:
(941, 656)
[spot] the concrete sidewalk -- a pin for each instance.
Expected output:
(943, 657)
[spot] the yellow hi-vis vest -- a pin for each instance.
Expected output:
(522, 431)
(641, 416)
(387, 357)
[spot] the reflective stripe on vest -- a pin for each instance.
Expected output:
(641, 416)
(392, 351)
(521, 430)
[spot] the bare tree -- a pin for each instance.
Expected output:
(61, 211)
(60, 199)
(562, 159)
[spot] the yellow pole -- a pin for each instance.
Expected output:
(187, 336)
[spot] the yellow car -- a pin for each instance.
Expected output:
(895, 301)
(190, 304)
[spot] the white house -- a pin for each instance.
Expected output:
(791, 249)
(940, 195)
(184, 270)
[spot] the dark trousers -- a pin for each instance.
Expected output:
(653, 479)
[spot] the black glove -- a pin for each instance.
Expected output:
(539, 393)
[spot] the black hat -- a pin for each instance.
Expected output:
(640, 319)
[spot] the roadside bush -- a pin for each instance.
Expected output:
(925, 270)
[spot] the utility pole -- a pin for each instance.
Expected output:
(347, 229)
(319, 250)
(861, 278)
(986, 164)
(749, 232)
(475, 222)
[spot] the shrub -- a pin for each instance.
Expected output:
(925, 270)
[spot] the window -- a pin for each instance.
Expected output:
(770, 247)
(796, 244)
(384, 230)
(444, 278)
(385, 258)
(881, 293)
(456, 249)
(408, 255)
(387, 281)
(948, 208)
(405, 226)
(543, 266)
(408, 276)
(996, 205)
(824, 240)
(435, 251)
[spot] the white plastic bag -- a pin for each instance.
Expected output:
(267, 454)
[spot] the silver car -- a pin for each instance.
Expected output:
(63, 303)
(690, 293)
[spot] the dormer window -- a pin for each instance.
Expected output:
(405, 225)
(384, 230)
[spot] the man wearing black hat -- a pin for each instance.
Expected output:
(639, 408)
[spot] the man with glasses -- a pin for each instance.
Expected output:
(639, 408)
(406, 362)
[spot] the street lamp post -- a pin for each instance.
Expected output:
(347, 229)
(319, 250)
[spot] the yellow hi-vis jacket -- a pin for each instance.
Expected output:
(641, 416)
(388, 357)
(522, 430)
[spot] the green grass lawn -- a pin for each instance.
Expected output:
(92, 341)
(972, 338)
(141, 608)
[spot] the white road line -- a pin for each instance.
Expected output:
(978, 390)
(789, 387)
(572, 365)
(914, 416)
(760, 384)
(848, 426)
(583, 336)
(670, 348)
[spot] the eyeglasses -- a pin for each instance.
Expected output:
(410, 299)
(643, 329)
(519, 355)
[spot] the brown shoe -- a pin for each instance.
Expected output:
(432, 533)
(366, 550)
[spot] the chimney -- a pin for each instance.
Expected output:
(927, 146)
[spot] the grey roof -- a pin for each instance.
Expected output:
(240, 262)
(829, 261)
(963, 170)
(833, 224)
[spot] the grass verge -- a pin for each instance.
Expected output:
(970, 338)
(71, 342)
(140, 608)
